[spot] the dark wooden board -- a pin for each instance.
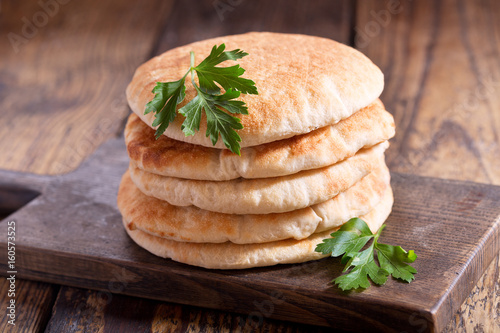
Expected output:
(72, 234)
(89, 311)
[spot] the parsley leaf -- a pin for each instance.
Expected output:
(349, 240)
(208, 99)
(393, 259)
(165, 111)
(364, 265)
(218, 122)
(227, 77)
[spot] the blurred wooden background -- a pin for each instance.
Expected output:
(64, 66)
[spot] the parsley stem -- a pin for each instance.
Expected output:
(192, 66)
(379, 232)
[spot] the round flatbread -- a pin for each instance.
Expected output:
(262, 195)
(304, 83)
(319, 148)
(191, 224)
(237, 256)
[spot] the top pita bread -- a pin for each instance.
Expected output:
(319, 148)
(304, 83)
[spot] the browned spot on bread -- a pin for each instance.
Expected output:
(319, 148)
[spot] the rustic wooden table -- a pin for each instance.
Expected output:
(65, 65)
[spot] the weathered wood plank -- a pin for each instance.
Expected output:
(33, 300)
(90, 311)
(441, 62)
(481, 310)
(33, 305)
(211, 18)
(63, 73)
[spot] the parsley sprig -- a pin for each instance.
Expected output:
(350, 239)
(209, 98)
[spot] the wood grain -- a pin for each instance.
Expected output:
(34, 302)
(320, 18)
(89, 311)
(462, 217)
(441, 62)
(62, 88)
(33, 299)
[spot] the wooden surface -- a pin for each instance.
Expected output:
(441, 61)
(63, 88)
(72, 235)
(34, 301)
(89, 311)
(442, 85)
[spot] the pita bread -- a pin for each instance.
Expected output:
(304, 83)
(191, 224)
(319, 148)
(236, 256)
(262, 195)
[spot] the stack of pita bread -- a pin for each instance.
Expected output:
(312, 157)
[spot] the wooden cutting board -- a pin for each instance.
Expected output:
(71, 233)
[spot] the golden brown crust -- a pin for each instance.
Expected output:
(191, 224)
(319, 148)
(304, 83)
(238, 256)
(262, 195)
